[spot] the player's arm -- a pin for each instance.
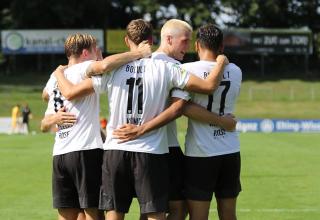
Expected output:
(61, 117)
(115, 61)
(72, 91)
(199, 113)
(129, 131)
(208, 85)
(45, 95)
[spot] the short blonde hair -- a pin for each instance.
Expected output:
(75, 43)
(174, 26)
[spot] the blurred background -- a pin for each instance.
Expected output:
(276, 43)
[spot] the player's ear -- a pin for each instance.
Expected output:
(169, 39)
(85, 52)
(126, 40)
(196, 46)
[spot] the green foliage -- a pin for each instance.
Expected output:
(280, 177)
(117, 13)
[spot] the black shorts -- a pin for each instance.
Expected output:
(126, 174)
(176, 170)
(76, 179)
(218, 174)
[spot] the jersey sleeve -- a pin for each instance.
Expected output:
(50, 107)
(85, 66)
(181, 94)
(100, 83)
(50, 84)
(179, 76)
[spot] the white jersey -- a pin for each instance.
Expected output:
(178, 93)
(202, 139)
(85, 133)
(137, 92)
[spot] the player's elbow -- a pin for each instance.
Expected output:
(178, 108)
(69, 95)
(178, 112)
(43, 128)
(105, 66)
(208, 89)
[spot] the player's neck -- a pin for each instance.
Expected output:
(207, 56)
(76, 60)
(164, 50)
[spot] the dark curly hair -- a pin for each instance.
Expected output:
(210, 37)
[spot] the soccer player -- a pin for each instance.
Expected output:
(137, 92)
(211, 148)
(77, 153)
(175, 39)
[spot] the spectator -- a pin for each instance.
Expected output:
(103, 125)
(26, 115)
(15, 114)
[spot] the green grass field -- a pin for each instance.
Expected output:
(280, 172)
(280, 177)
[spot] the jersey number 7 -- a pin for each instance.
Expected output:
(226, 85)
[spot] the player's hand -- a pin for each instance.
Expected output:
(222, 59)
(60, 69)
(145, 49)
(127, 132)
(228, 122)
(65, 118)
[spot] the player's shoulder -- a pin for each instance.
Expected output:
(198, 67)
(233, 67)
(78, 67)
(164, 57)
(51, 82)
(77, 71)
(234, 72)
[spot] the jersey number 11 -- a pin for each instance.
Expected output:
(135, 82)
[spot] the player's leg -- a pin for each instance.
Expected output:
(116, 191)
(227, 208)
(200, 180)
(151, 183)
(65, 197)
(87, 178)
(81, 215)
(177, 203)
(157, 216)
(93, 214)
(198, 210)
(228, 186)
(177, 210)
(113, 215)
(68, 214)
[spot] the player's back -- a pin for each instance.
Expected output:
(84, 134)
(207, 139)
(137, 92)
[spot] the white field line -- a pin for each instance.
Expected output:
(275, 210)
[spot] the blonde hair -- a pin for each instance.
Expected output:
(174, 27)
(75, 43)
